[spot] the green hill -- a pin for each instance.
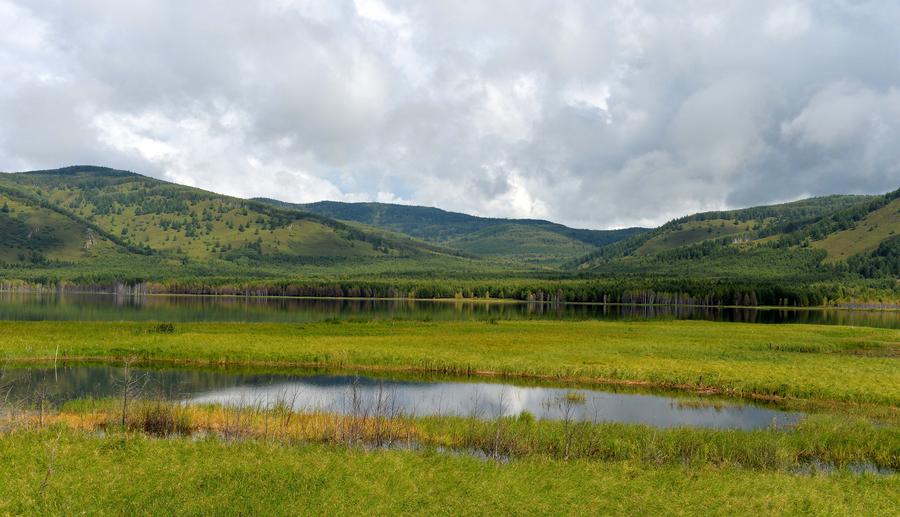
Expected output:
(93, 226)
(532, 241)
(81, 213)
(804, 236)
(864, 235)
(33, 233)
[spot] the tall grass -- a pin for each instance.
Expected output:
(831, 440)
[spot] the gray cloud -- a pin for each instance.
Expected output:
(629, 112)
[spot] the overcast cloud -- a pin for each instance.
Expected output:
(595, 114)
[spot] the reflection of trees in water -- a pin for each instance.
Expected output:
(24, 386)
(73, 306)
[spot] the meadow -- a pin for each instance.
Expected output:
(60, 472)
(88, 454)
(816, 363)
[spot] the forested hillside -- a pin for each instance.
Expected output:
(814, 236)
(147, 216)
(93, 226)
(524, 240)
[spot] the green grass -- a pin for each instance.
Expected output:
(865, 236)
(692, 232)
(64, 473)
(811, 362)
(838, 441)
(26, 229)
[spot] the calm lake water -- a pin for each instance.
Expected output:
(71, 306)
(419, 397)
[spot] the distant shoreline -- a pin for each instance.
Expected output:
(886, 307)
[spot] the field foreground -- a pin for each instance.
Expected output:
(171, 459)
(66, 472)
(805, 362)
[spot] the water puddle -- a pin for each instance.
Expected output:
(350, 394)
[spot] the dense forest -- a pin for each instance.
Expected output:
(101, 229)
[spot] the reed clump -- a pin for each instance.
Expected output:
(160, 418)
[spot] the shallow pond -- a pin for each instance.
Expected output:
(370, 395)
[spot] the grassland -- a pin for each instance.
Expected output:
(64, 473)
(25, 228)
(175, 459)
(692, 232)
(806, 362)
(865, 236)
(833, 441)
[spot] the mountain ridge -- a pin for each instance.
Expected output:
(120, 222)
(504, 238)
(800, 227)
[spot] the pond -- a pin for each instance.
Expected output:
(386, 396)
(74, 306)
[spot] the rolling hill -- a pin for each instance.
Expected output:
(90, 225)
(83, 213)
(531, 241)
(798, 236)
(865, 234)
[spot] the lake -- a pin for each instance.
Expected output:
(101, 307)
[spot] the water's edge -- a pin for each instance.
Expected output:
(341, 393)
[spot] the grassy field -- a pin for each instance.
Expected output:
(61, 472)
(809, 362)
(865, 236)
(838, 441)
(207, 459)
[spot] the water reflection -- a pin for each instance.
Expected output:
(73, 306)
(346, 394)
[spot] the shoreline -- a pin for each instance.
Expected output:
(470, 300)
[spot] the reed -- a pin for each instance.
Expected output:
(825, 440)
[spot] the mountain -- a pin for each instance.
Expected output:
(808, 235)
(82, 213)
(532, 241)
(97, 226)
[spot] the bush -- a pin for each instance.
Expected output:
(163, 328)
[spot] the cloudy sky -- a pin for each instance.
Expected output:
(595, 114)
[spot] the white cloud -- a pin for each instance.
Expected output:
(841, 113)
(595, 114)
(788, 20)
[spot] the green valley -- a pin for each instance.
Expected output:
(96, 226)
(520, 240)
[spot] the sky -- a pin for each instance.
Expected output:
(594, 114)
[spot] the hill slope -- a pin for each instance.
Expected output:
(526, 240)
(77, 213)
(94, 226)
(32, 233)
(791, 237)
(864, 235)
